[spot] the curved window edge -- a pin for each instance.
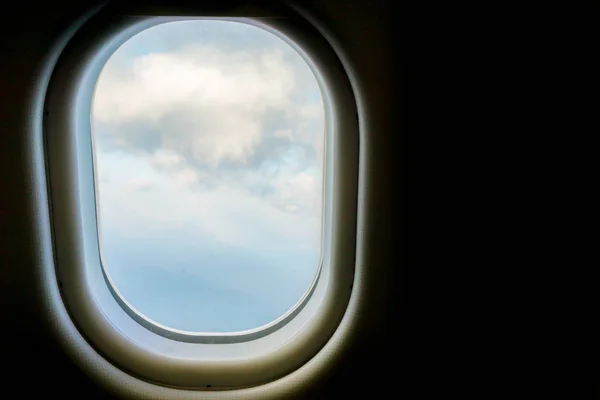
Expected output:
(267, 328)
(83, 352)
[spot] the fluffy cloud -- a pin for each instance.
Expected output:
(212, 116)
(215, 100)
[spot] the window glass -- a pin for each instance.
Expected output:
(208, 149)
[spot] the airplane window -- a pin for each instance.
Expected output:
(209, 143)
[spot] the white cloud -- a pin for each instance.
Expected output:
(228, 215)
(208, 109)
(187, 176)
(211, 105)
(219, 97)
(167, 159)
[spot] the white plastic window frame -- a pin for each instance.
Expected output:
(159, 360)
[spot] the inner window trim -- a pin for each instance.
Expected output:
(230, 336)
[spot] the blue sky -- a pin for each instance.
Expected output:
(209, 143)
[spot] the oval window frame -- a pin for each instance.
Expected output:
(152, 357)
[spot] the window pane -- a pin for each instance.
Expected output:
(208, 144)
